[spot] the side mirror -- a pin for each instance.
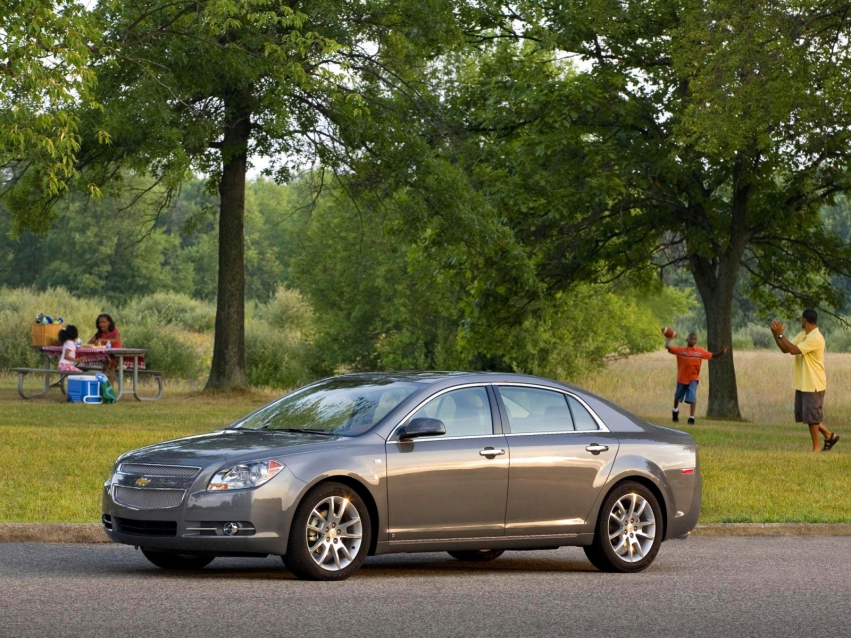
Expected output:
(421, 427)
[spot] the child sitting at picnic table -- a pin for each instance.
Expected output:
(107, 333)
(68, 337)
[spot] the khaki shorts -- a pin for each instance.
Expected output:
(809, 407)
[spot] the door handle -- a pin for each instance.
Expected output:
(596, 448)
(489, 451)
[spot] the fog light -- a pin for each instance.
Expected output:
(230, 529)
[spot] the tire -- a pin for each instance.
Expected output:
(629, 530)
(168, 560)
(478, 555)
(316, 549)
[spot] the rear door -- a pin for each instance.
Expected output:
(455, 485)
(561, 456)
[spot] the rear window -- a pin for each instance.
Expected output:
(532, 410)
(582, 419)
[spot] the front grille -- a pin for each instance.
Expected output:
(179, 471)
(147, 499)
(145, 528)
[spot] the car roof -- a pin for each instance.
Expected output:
(615, 417)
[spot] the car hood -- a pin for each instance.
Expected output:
(229, 446)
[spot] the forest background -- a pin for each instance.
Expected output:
(330, 288)
(531, 186)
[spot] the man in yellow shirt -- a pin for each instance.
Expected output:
(810, 379)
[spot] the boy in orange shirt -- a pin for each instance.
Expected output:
(689, 360)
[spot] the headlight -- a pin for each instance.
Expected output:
(244, 475)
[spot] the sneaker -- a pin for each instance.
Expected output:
(676, 414)
(691, 420)
(830, 442)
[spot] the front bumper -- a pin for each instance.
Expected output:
(196, 524)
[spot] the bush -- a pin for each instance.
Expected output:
(742, 341)
(18, 309)
(170, 349)
(274, 357)
(760, 336)
(287, 310)
(171, 309)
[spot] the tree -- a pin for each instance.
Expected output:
(697, 135)
(205, 84)
(44, 75)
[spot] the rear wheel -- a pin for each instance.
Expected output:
(330, 534)
(169, 560)
(629, 530)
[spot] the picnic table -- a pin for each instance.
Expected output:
(129, 360)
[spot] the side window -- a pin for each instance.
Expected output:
(531, 410)
(464, 412)
(581, 417)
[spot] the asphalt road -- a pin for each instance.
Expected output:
(728, 586)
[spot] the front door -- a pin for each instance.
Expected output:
(560, 460)
(454, 485)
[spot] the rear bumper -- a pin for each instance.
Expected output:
(264, 515)
(688, 490)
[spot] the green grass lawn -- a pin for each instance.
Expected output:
(55, 457)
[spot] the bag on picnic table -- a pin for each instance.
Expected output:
(107, 393)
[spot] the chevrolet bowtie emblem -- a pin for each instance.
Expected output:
(142, 482)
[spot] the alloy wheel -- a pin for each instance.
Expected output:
(632, 527)
(334, 533)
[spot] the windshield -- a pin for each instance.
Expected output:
(346, 407)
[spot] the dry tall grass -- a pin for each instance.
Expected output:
(645, 385)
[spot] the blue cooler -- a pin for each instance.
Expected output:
(84, 389)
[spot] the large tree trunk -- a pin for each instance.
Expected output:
(715, 278)
(228, 369)
(723, 392)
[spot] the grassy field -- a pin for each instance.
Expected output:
(55, 456)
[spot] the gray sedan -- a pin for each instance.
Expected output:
(468, 463)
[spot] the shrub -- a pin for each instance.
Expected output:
(18, 308)
(170, 349)
(760, 336)
(274, 357)
(171, 309)
(742, 340)
(287, 310)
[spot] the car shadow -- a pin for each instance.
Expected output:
(391, 566)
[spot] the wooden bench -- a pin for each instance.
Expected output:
(59, 383)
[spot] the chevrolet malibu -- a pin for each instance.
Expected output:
(364, 464)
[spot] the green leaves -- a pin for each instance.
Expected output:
(44, 77)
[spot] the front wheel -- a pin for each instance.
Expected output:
(478, 555)
(168, 560)
(330, 534)
(629, 530)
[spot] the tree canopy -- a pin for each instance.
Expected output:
(45, 77)
(698, 135)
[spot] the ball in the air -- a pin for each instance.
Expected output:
(669, 332)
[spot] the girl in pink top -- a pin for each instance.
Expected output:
(68, 337)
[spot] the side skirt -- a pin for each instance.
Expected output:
(486, 542)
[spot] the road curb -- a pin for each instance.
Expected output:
(93, 532)
(773, 529)
(52, 533)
